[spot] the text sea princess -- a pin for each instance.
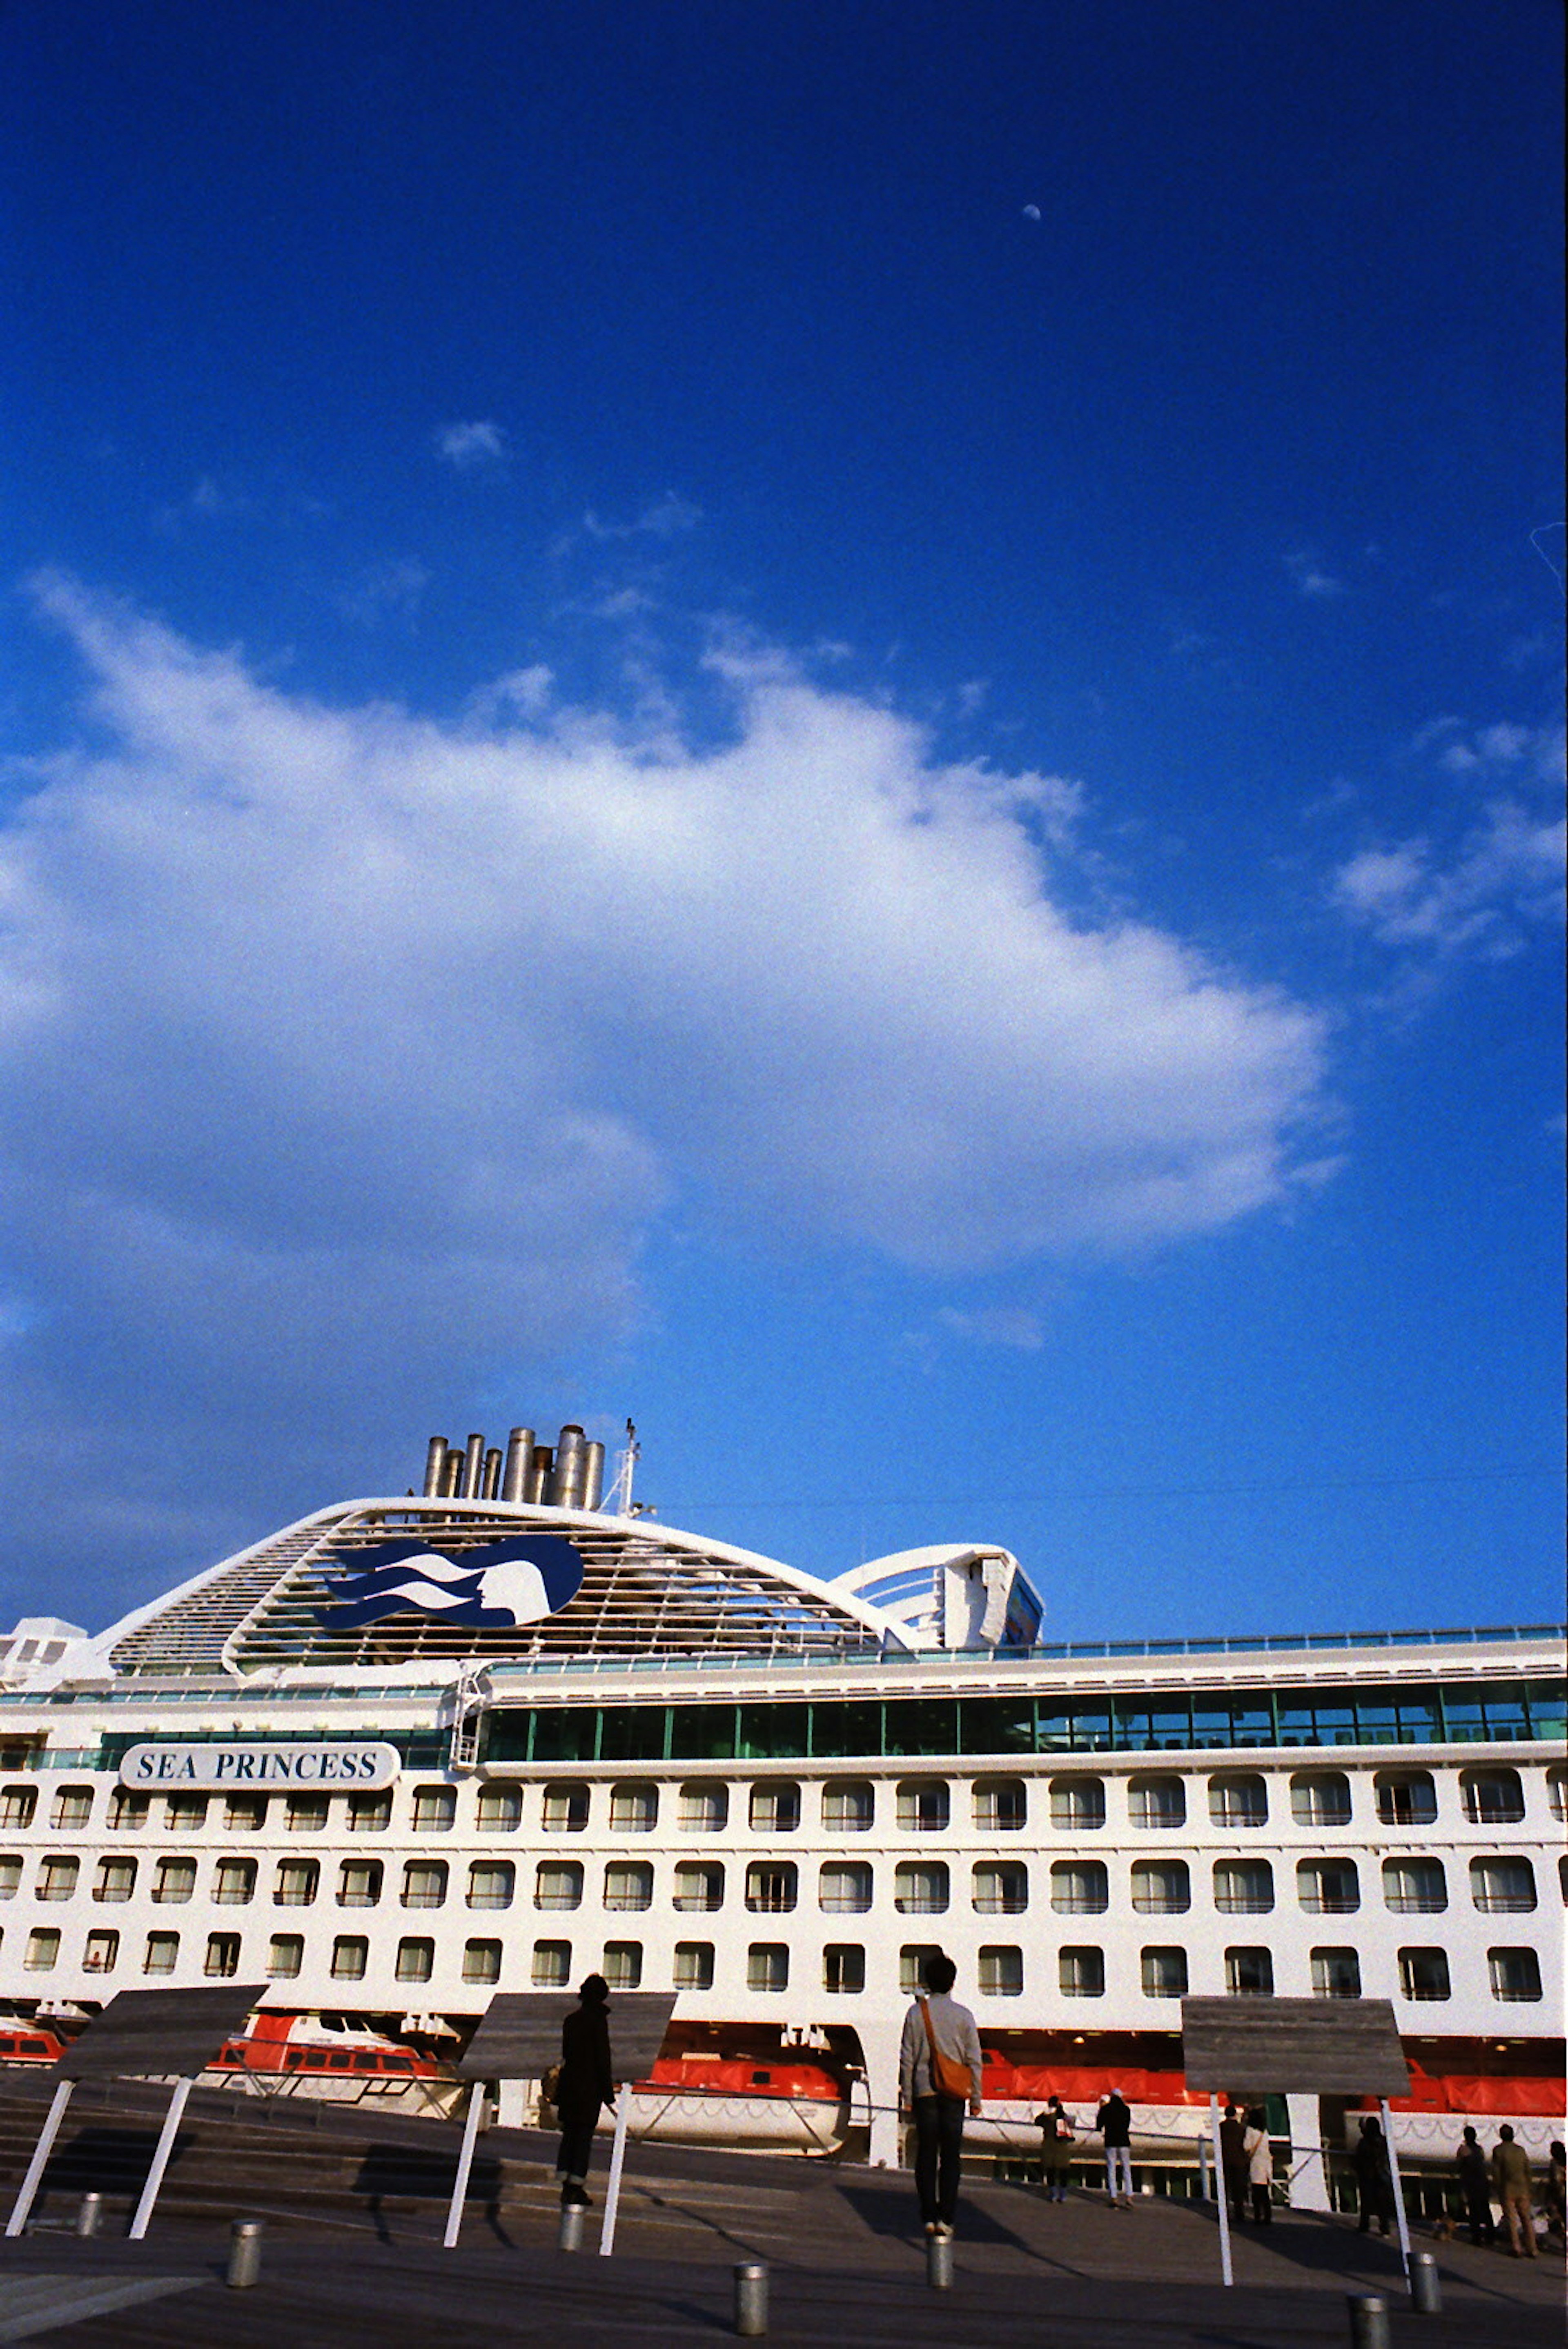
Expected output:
(365, 1766)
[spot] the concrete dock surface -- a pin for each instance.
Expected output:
(353, 2255)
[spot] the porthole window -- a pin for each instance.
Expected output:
(1335, 1973)
(1163, 1972)
(1328, 1888)
(693, 1965)
(1414, 1886)
(1406, 1798)
(565, 1809)
(1515, 1975)
(1080, 1888)
(1161, 1888)
(1243, 1887)
(1081, 1972)
(843, 1888)
(559, 1884)
(1248, 1973)
(1491, 1797)
(1001, 1887)
(1502, 1887)
(775, 1807)
(700, 1885)
(1424, 1975)
(924, 1805)
(1320, 1798)
(1238, 1799)
(843, 1969)
(1001, 1805)
(921, 1888)
(848, 1806)
(1077, 1802)
(1002, 1973)
(1157, 1801)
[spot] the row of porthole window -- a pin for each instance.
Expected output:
(295, 1883)
(1514, 1974)
(285, 1956)
(923, 1805)
(1411, 1886)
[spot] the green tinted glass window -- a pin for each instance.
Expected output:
(997, 1724)
(702, 1733)
(841, 1731)
(923, 1725)
(772, 1733)
(563, 1733)
(1054, 1728)
(632, 1732)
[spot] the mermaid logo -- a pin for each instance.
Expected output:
(494, 1588)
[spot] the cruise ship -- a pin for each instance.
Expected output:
(510, 1729)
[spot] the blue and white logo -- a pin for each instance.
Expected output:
(491, 1589)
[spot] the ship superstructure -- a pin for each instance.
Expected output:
(411, 1750)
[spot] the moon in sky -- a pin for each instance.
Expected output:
(1031, 212)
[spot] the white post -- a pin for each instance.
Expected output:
(40, 2160)
(1309, 2165)
(464, 2163)
(166, 2136)
(1399, 2218)
(618, 2156)
(1220, 2192)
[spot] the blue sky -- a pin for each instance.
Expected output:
(840, 726)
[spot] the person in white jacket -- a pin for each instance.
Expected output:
(1260, 2165)
(938, 2026)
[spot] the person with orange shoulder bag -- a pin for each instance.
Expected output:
(938, 2078)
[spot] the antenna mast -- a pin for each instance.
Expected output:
(620, 1502)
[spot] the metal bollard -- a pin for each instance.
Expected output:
(569, 2238)
(940, 2262)
(1426, 2285)
(752, 2300)
(1368, 2320)
(88, 2214)
(244, 2252)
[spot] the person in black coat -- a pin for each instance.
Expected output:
(1233, 2163)
(1373, 2178)
(587, 2083)
(1474, 2184)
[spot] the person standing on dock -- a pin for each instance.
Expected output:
(1474, 2172)
(1114, 2121)
(587, 2083)
(1055, 2149)
(938, 2061)
(1515, 2189)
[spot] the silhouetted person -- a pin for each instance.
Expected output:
(1373, 2178)
(1514, 2188)
(940, 2036)
(585, 2085)
(1055, 2149)
(1556, 2197)
(1474, 2172)
(1233, 2161)
(1259, 2165)
(1114, 2121)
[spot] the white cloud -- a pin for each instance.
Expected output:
(472, 447)
(1507, 874)
(1310, 579)
(1500, 877)
(996, 1325)
(387, 591)
(345, 1050)
(665, 517)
